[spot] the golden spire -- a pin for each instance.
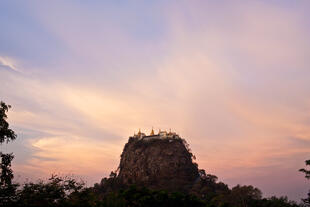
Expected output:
(139, 133)
(152, 132)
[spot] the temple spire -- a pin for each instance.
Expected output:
(152, 132)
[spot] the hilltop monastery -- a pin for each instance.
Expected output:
(160, 135)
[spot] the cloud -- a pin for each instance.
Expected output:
(8, 63)
(59, 136)
(80, 156)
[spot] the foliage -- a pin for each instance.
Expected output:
(209, 189)
(307, 172)
(274, 202)
(7, 189)
(242, 196)
(6, 171)
(6, 134)
(307, 176)
(188, 149)
(57, 191)
(143, 197)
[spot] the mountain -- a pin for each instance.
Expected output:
(158, 162)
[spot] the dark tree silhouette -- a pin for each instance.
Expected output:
(307, 172)
(6, 171)
(7, 189)
(241, 196)
(307, 175)
(6, 134)
(57, 191)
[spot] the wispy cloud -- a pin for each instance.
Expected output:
(8, 63)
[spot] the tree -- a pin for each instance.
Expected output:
(242, 196)
(6, 134)
(57, 191)
(7, 189)
(307, 176)
(6, 171)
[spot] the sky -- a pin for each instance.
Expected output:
(231, 77)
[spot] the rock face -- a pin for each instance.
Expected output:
(158, 164)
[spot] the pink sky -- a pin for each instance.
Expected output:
(231, 78)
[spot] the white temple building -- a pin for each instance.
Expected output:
(160, 135)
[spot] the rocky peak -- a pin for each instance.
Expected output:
(158, 164)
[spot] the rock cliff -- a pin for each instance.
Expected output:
(158, 164)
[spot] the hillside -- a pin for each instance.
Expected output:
(158, 164)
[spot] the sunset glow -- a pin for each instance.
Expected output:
(232, 78)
